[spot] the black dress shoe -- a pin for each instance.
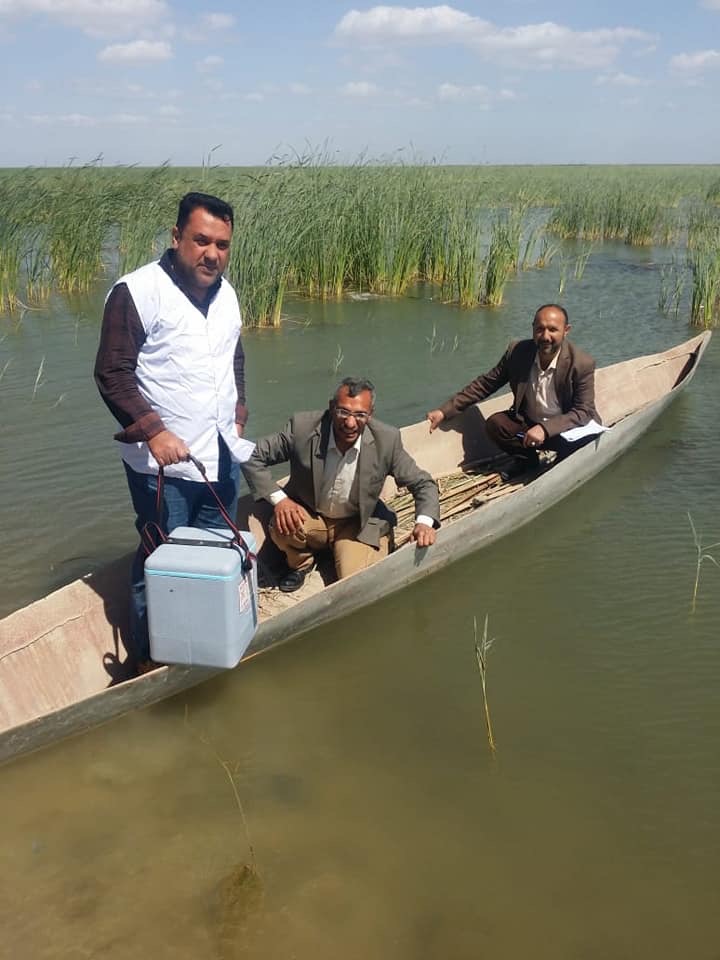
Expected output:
(518, 466)
(293, 580)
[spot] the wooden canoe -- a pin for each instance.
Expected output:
(62, 657)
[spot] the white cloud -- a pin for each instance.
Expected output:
(299, 89)
(477, 92)
(64, 119)
(126, 119)
(404, 23)
(91, 16)
(139, 51)
(254, 97)
(710, 4)
(693, 62)
(359, 88)
(208, 64)
(84, 120)
(169, 110)
(416, 102)
(451, 91)
(533, 45)
(620, 80)
(122, 91)
(218, 21)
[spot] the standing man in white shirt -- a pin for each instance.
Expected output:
(170, 368)
(339, 460)
(553, 385)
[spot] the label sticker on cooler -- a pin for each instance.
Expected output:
(244, 594)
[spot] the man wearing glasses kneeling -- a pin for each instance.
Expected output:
(339, 460)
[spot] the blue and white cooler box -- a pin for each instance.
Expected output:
(202, 605)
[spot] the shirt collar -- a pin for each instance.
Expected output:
(167, 262)
(551, 366)
(333, 446)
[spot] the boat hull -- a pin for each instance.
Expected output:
(454, 541)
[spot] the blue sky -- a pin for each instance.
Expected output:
(525, 81)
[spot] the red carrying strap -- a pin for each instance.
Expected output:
(248, 556)
(152, 534)
(150, 530)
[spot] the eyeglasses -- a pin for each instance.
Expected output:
(359, 415)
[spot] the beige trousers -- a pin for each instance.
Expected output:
(340, 535)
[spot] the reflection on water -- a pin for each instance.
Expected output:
(381, 825)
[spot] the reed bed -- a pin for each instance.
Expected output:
(311, 228)
(10, 259)
(456, 262)
(703, 258)
(503, 256)
(672, 286)
(705, 299)
(637, 217)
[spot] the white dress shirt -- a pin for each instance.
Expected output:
(541, 399)
(336, 499)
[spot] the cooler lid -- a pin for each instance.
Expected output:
(195, 560)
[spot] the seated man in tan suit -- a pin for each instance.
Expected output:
(339, 460)
(553, 385)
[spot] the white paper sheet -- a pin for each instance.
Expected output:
(589, 430)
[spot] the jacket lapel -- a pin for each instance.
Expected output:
(318, 451)
(562, 375)
(366, 468)
(524, 377)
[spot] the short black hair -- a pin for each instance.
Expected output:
(214, 205)
(355, 386)
(552, 306)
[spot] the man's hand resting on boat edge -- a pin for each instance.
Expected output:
(423, 535)
(289, 516)
(168, 448)
(435, 417)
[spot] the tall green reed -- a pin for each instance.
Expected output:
(703, 554)
(317, 229)
(672, 286)
(705, 298)
(262, 251)
(462, 265)
(503, 256)
(10, 258)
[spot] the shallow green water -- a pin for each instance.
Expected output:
(381, 825)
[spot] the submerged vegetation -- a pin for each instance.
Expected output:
(306, 226)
